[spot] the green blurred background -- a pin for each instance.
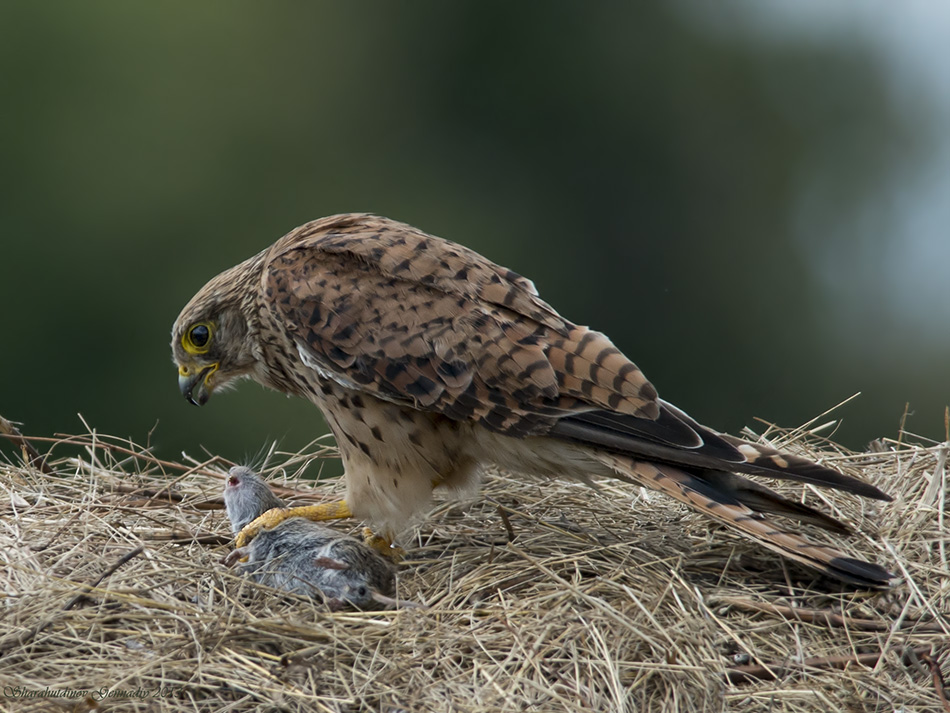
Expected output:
(752, 201)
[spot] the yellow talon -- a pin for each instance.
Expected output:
(273, 517)
(383, 545)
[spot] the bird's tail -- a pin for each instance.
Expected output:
(745, 505)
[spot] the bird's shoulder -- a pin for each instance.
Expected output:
(382, 307)
(360, 253)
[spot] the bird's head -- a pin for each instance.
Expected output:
(212, 343)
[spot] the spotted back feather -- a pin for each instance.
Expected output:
(423, 322)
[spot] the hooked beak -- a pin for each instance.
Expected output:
(190, 377)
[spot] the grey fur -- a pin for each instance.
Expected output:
(302, 556)
(248, 497)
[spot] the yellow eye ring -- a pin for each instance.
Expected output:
(197, 339)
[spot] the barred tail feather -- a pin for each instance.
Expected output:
(721, 497)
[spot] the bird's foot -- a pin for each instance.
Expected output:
(273, 517)
(383, 545)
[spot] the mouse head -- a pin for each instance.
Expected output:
(246, 497)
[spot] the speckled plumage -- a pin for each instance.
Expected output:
(430, 362)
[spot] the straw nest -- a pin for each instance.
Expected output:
(541, 596)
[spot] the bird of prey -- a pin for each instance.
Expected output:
(430, 362)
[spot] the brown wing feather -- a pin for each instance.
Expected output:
(419, 320)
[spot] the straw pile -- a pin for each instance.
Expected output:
(541, 596)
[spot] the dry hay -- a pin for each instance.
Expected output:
(602, 601)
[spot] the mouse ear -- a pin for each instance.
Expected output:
(330, 563)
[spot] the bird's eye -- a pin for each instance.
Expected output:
(199, 335)
(197, 340)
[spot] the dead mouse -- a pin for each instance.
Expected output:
(302, 556)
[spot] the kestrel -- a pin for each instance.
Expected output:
(431, 363)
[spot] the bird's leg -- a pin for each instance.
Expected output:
(273, 517)
(383, 545)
